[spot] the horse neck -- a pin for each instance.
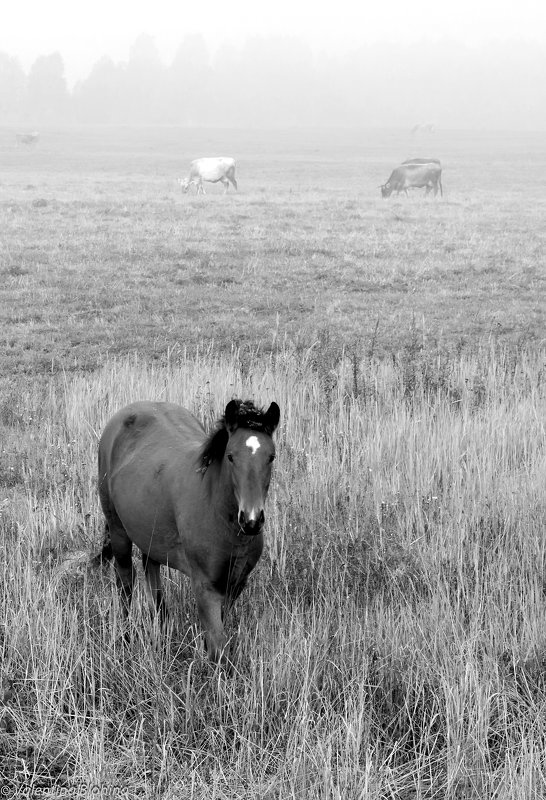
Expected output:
(219, 487)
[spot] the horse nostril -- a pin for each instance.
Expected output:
(251, 524)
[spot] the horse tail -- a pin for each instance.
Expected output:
(106, 554)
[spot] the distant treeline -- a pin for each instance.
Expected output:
(270, 81)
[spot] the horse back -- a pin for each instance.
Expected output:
(144, 443)
(159, 429)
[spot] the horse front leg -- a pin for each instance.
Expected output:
(209, 607)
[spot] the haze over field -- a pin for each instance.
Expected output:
(243, 64)
(391, 640)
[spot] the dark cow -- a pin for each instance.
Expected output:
(422, 161)
(414, 174)
(424, 127)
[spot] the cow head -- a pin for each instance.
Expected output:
(386, 190)
(184, 183)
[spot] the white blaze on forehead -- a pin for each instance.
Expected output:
(253, 443)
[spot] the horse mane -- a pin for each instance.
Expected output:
(248, 416)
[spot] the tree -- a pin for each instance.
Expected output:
(190, 82)
(144, 81)
(99, 98)
(277, 81)
(47, 95)
(12, 88)
(228, 75)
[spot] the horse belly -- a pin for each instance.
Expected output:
(147, 514)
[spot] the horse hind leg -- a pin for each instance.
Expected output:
(121, 547)
(152, 570)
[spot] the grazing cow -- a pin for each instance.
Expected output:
(213, 170)
(27, 138)
(414, 175)
(192, 501)
(424, 127)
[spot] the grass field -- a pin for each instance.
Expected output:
(391, 643)
(118, 260)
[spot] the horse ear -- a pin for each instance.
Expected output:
(231, 415)
(273, 415)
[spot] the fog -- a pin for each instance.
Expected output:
(282, 80)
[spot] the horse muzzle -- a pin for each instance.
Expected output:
(251, 522)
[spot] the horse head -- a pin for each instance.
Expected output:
(249, 455)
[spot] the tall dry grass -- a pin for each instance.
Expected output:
(389, 645)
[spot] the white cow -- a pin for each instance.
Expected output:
(27, 138)
(212, 170)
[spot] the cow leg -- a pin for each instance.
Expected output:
(209, 608)
(152, 570)
(234, 182)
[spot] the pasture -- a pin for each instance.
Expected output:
(391, 641)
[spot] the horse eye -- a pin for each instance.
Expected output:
(230, 458)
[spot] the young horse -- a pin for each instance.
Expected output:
(187, 500)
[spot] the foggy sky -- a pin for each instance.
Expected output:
(85, 33)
